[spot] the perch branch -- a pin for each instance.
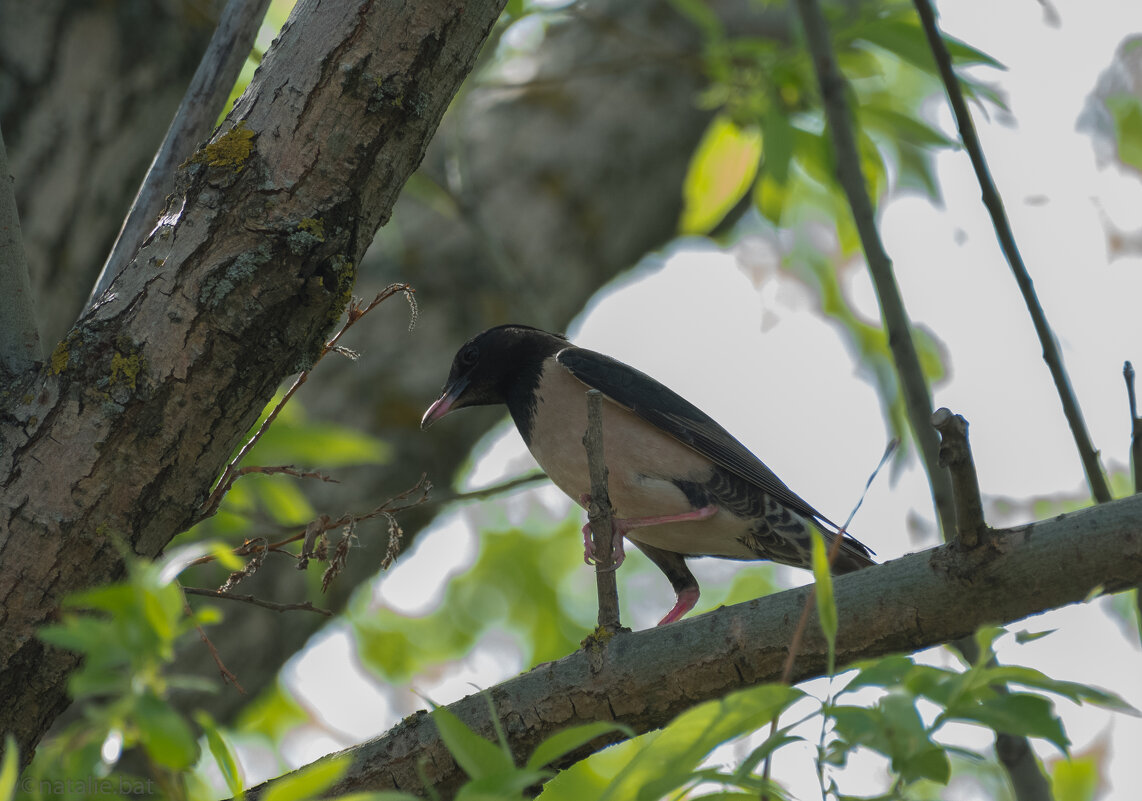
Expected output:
(914, 386)
(955, 455)
(600, 515)
(650, 677)
(201, 105)
(1095, 476)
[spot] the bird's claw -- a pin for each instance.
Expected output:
(618, 553)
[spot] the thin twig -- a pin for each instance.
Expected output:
(955, 455)
(488, 492)
(227, 675)
(914, 386)
(19, 335)
(600, 515)
(201, 106)
(355, 313)
(1095, 476)
(1135, 427)
(305, 606)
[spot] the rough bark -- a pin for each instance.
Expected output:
(646, 679)
(115, 443)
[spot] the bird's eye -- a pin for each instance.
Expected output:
(469, 356)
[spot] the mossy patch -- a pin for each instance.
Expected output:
(310, 233)
(60, 357)
(125, 369)
(232, 149)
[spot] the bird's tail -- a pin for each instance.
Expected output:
(853, 555)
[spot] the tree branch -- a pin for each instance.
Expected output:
(1096, 478)
(955, 455)
(601, 516)
(19, 334)
(914, 386)
(646, 679)
(209, 88)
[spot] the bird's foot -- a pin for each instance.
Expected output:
(618, 552)
(686, 600)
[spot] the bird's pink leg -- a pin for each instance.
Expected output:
(686, 600)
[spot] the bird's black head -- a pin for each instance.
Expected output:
(497, 366)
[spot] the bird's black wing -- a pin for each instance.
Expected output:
(662, 407)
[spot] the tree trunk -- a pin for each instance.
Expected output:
(115, 443)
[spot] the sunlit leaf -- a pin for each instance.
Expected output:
(1126, 110)
(478, 757)
(310, 782)
(9, 768)
(1076, 779)
(223, 754)
(823, 591)
(564, 742)
(721, 171)
(667, 760)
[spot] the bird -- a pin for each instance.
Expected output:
(680, 485)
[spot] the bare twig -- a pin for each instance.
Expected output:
(488, 492)
(259, 547)
(955, 455)
(201, 106)
(355, 313)
(305, 606)
(600, 515)
(914, 386)
(227, 675)
(19, 335)
(1095, 476)
(1135, 427)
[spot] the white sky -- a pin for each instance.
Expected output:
(799, 405)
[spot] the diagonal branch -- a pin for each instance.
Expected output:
(200, 108)
(1095, 476)
(646, 679)
(913, 384)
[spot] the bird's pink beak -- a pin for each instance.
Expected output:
(444, 404)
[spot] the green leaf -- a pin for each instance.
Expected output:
(1127, 113)
(478, 757)
(309, 782)
(564, 742)
(1075, 691)
(9, 768)
(721, 171)
(1076, 779)
(164, 734)
(668, 758)
(826, 602)
(222, 753)
(1016, 713)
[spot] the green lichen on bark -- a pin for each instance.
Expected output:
(232, 149)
